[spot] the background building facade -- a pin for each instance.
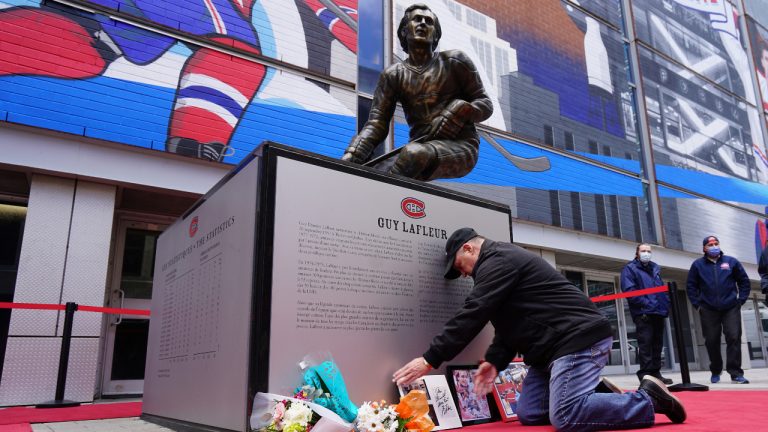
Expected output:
(115, 115)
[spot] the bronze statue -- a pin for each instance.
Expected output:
(442, 97)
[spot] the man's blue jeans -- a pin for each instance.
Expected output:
(563, 394)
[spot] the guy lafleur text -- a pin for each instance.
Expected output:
(412, 228)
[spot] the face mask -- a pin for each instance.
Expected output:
(645, 257)
(713, 251)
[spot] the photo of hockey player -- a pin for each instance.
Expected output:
(472, 408)
(213, 87)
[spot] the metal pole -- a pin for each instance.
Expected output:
(61, 380)
(682, 356)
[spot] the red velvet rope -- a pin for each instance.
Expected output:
(637, 293)
(41, 306)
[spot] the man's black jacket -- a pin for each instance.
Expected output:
(535, 310)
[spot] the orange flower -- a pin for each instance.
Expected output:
(414, 407)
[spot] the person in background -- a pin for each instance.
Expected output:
(649, 312)
(762, 269)
(538, 313)
(717, 287)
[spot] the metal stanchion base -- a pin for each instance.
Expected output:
(64, 403)
(687, 387)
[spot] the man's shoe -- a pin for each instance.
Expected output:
(715, 379)
(663, 401)
(666, 381)
(607, 386)
(740, 380)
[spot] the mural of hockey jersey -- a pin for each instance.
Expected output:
(69, 50)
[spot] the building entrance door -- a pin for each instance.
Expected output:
(622, 351)
(126, 338)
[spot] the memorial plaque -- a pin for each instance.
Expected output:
(295, 254)
(362, 277)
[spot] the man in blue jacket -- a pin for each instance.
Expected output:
(648, 311)
(717, 287)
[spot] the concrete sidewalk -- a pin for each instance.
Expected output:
(758, 381)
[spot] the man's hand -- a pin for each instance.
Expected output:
(484, 377)
(412, 371)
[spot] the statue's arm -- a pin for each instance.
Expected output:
(377, 127)
(473, 106)
(480, 103)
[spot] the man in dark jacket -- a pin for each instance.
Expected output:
(717, 287)
(538, 313)
(648, 311)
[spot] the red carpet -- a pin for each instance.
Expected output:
(19, 415)
(712, 411)
(21, 427)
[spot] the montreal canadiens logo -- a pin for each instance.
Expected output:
(193, 225)
(413, 208)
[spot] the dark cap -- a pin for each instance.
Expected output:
(454, 243)
(706, 240)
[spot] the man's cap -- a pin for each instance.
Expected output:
(454, 243)
(706, 240)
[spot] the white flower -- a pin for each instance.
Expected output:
(372, 417)
(297, 413)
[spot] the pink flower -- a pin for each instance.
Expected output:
(279, 412)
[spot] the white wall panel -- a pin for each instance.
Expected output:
(82, 371)
(32, 365)
(43, 253)
(88, 257)
(29, 371)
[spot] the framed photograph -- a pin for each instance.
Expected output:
(507, 388)
(472, 409)
(442, 409)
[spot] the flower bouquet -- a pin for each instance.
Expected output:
(275, 413)
(409, 415)
(292, 416)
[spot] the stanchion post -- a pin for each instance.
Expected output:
(61, 380)
(682, 356)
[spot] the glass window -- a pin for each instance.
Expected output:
(138, 263)
(549, 135)
(370, 57)
(476, 20)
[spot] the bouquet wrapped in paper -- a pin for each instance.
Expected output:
(409, 415)
(275, 413)
(324, 385)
